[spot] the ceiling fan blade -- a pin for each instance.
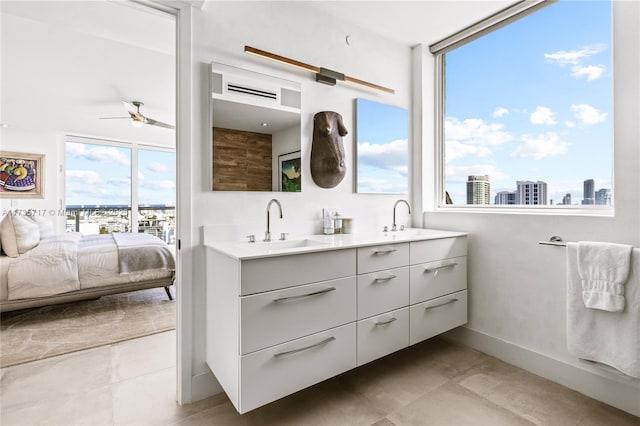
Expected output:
(129, 106)
(153, 122)
(112, 118)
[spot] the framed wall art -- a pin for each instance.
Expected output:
(290, 172)
(21, 175)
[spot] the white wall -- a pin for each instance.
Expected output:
(220, 32)
(516, 286)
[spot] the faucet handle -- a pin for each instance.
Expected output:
(385, 229)
(252, 238)
(283, 235)
(402, 227)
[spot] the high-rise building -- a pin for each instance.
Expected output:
(478, 190)
(588, 196)
(505, 197)
(566, 200)
(531, 193)
(603, 197)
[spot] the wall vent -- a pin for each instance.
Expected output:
(236, 88)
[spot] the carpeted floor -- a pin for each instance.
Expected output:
(33, 334)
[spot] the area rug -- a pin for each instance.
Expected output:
(33, 334)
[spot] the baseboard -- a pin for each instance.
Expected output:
(203, 386)
(619, 391)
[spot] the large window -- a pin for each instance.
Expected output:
(104, 180)
(525, 108)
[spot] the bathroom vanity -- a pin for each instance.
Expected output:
(284, 315)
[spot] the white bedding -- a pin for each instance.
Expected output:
(66, 263)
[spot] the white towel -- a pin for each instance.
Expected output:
(603, 269)
(611, 338)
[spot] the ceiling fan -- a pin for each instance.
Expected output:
(133, 108)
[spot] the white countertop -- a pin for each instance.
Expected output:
(315, 243)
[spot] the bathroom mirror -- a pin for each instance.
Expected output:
(382, 148)
(256, 132)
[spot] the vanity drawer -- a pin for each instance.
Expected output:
(435, 279)
(382, 291)
(436, 316)
(382, 335)
(431, 250)
(386, 256)
(278, 371)
(272, 273)
(277, 316)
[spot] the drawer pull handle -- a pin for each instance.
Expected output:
(295, 351)
(385, 251)
(387, 278)
(437, 268)
(315, 293)
(441, 304)
(389, 321)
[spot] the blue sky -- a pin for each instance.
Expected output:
(382, 148)
(532, 101)
(101, 175)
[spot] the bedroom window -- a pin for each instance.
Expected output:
(524, 110)
(104, 180)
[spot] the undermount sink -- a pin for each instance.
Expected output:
(408, 232)
(280, 246)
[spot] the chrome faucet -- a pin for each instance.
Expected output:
(267, 235)
(394, 227)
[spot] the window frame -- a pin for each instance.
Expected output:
(134, 147)
(438, 51)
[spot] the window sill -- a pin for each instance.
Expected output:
(597, 211)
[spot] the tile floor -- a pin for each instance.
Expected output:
(432, 383)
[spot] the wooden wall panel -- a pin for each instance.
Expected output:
(241, 160)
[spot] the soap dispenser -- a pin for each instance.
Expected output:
(337, 223)
(328, 223)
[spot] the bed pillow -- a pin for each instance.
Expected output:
(45, 226)
(19, 234)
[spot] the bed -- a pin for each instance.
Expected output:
(39, 269)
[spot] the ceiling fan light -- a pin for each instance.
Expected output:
(137, 123)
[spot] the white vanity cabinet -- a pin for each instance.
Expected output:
(280, 322)
(438, 293)
(403, 302)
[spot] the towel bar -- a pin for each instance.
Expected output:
(556, 240)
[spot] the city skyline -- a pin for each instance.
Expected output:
(590, 196)
(525, 104)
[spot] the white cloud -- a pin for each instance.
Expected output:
(157, 167)
(587, 114)
(159, 185)
(455, 150)
(472, 137)
(83, 177)
(500, 112)
(100, 154)
(543, 115)
(592, 72)
(475, 131)
(544, 145)
(570, 124)
(389, 156)
(381, 186)
(119, 181)
(462, 173)
(574, 57)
